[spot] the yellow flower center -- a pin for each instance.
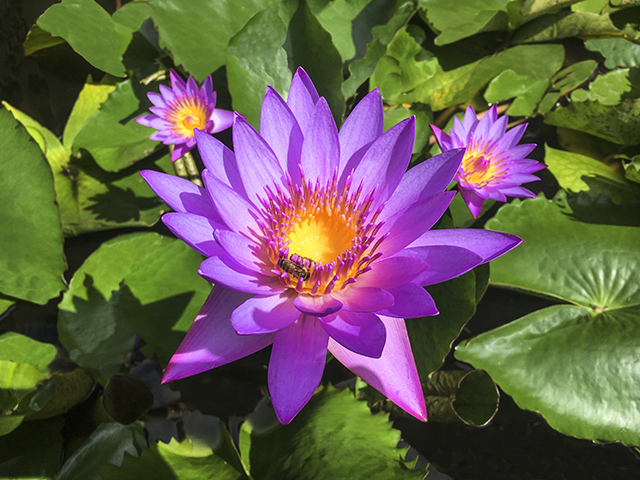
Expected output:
(318, 239)
(187, 113)
(480, 167)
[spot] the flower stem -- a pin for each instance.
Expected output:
(185, 167)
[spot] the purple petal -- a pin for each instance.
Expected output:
(224, 271)
(222, 119)
(317, 305)
(211, 341)
(236, 212)
(362, 333)
(445, 262)
(257, 164)
(386, 160)
(196, 231)
(392, 272)
(320, 149)
(180, 194)
(394, 374)
(473, 201)
(302, 98)
(488, 245)
(279, 127)
(180, 150)
(247, 252)
(408, 224)
(363, 299)
(422, 181)
(259, 315)
(411, 301)
(219, 160)
(363, 126)
(296, 365)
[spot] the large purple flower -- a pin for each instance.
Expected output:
(318, 240)
(179, 110)
(494, 166)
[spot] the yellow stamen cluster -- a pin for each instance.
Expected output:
(186, 113)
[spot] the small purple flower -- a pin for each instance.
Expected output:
(179, 110)
(318, 240)
(494, 166)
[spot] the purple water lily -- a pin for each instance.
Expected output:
(179, 110)
(318, 240)
(494, 166)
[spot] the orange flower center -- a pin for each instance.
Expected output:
(187, 113)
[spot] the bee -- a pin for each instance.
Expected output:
(292, 268)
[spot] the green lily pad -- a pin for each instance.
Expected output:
(32, 451)
(527, 89)
(107, 445)
(565, 25)
(574, 75)
(215, 21)
(619, 52)
(111, 135)
(632, 169)
(309, 46)
(21, 349)
(31, 255)
(39, 39)
(610, 88)
(322, 442)
(90, 31)
(560, 361)
(257, 59)
(91, 324)
(455, 23)
(576, 173)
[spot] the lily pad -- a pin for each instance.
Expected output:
(322, 441)
(31, 255)
(619, 52)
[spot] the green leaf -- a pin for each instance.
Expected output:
(387, 24)
(455, 23)
(322, 442)
(432, 337)
(576, 173)
(33, 450)
(632, 169)
(619, 52)
(574, 75)
(164, 295)
(106, 445)
(39, 39)
(214, 21)
(257, 59)
(132, 14)
(591, 265)
(617, 123)
(111, 135)
(67, 390)
(560, 361)
(528, 89)
(90, 31)
(566, 25)
(16, 381)
(21, 349)
(337, 17)
(91, 323)
(31, 255)
(610, 88)
(309, 46)
(7, 425)
(5, 303)
(88, 103)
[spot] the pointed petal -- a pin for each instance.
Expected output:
(302, 97)
(473, 201)
(488, 245)
(424, 180)
(211, 340)
(410, 301)
(180, 194)
(296, 365)
(236, 212)
(219, 160)
(394, 374)
(222, 119)
(320, 149)
(259, 315)
(392, 272)
(363, 126)
(445, 262)
(411, 222)
(245, 251)
(226, 272)
(386, 161)
(317, 305)
(279, 127)
(196, 231)
(363, 299)
(180, 150)
(362, 333)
